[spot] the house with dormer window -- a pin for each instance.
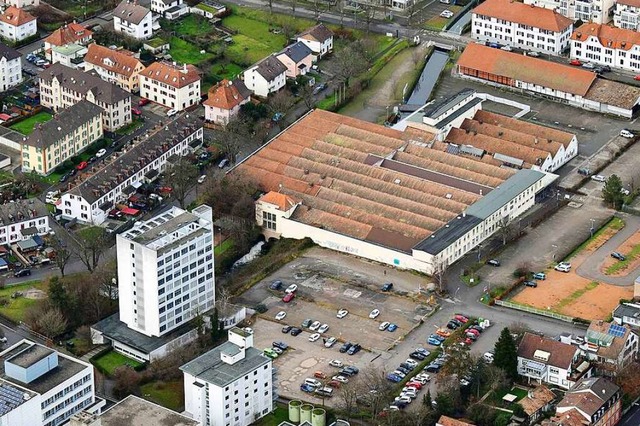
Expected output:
(174, 86)
(117, 66)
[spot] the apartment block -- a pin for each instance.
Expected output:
(607, 45)
(176, 87)
(10, 67)
(119, 67)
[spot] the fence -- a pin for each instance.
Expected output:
(536, 311)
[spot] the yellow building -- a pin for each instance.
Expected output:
(119, 67)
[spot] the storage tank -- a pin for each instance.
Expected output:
(294, 411)
(305, 413)
(318, 417)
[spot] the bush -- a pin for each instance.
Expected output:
(261, 308)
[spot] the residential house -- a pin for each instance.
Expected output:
(40, 386)
(22, 220)
(20, 3)
(224, 101)
(298, 59)
(606, 45)
(72, 33)
(580, 87)
(93, 199)
(133, 20)
(627, 314)
(450, 421)
(174, 86)
(610, 346)
(169, 9)
(596, 11)
(596, 401)
(549, 361)
(267, 76)
(17, 24)
(232, 383)
(61, 87)
(119, 66)
(537, 402)
(627, 14)
(69, 55)
(518, 25)
(208, 9)
(319, 39)
(10, 67)
(70, 132)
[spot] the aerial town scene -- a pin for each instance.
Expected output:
(319, 212)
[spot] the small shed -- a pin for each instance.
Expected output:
(27, 245)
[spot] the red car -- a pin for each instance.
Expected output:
(637, 77)
(575, 62)
(288, 297)
(165, 189)
(416, 385)
(461, 318)
(82, 165)
(136, 111)
(143, 102)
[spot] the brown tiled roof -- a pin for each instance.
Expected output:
(632, 3)
(608, 36)
(318, 33)
(284, 202)
(227, 94)
(175, 76)
(568, 418)
(335, 166)
(542, 132)
(540, 397)
(449, 421)
(561, 354)
(520, 13)
(556, 76)
(614, 93)
(16, 17)
(68, 34)
(121, 61)
(589, 395)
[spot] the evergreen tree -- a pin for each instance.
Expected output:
(215, 328)
(506, 355)
(58, 294)
(612, 192)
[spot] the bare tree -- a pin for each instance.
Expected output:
(62, 253)
(52, 323)
(270, 5)
(369, 15)
(281, 101)
(244, 232)
(181, 177)
(293, 4)
(107, 276)
(349, 62)
(318, 8)
(126, 381)
(91, 245)
(439, 273)
(507, 229)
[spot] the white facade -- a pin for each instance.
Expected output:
(10, 73)
(25, 214)
(70, 55)
(20, 3)
(139, 28)
(621, 49)
(16, 31)
(245, 392)
(73, 393)
(175, 87)
(319, 41)
(84, 204)
(165, 270)
(262, 86)
(596, 11)
(161, 7)
(627, 15)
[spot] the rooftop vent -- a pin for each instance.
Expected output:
(397, 181)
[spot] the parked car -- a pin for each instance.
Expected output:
(598, 178)
(387, 287)
(202, 178)
(618, 256)
(276, 285)
(446, 14)
(461, 318)
(270, 353)
(540, 276)
(506, 48)
(319, 375)
(307, 323)
(281, 345)
(83, 165)
(533, 54)
(452, 325)
(288, 297)
(493, 262)
(392, 327)
(374, 314)
(434, 342)
(588, 65)
(625, 133)
(307, 388)
(394, 378)
(22, 273)
(315, 326)
(295, 331)
(417, 355)
(335, 363)
(330, 342)
(340, 379)
(383, 326)
(354, 349)
(443, 332)
(563, 267)
(286, 329)
(345, 347)
(277, 117)
(423, 351)
(280, 315)
(291, 289)
(136, 111)
(488, 357)
(342, 313)
(530, 284)
(143, 102)
(171, 112)
(323, 328)
(436, 337)
(314, 337)
(636, 77)
(575, 62)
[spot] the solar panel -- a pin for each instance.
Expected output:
(616, 330)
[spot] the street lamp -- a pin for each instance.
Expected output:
(592, 224)
(554, 250)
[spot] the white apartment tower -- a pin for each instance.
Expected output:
(165, 270)
(229, 385)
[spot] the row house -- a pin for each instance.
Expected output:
(596, 11)
(10, 67)
(23, 219)
(606, 45)
(518, 25)
(17, 24)
(119, 67)
(169, 84)
(61, 87)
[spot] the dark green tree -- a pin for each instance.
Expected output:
(215, 328)
(506, 355)
(445, 403)
(58, 295)
(612, 192)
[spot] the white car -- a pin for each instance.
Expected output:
(533, 54)
(101, 153)
(336, 363)
(506, 48)
(411, 362)
(202, 178)
(464, 382)
(598, 178)
(404, 399)
(323, 328)
(314, 337)
(291, 289)
(171, 112)
(280, 315)
(626, 133)
(399, 374)
(446, 14)
(410, 393)
(342, 313)
(330, 342)
(314, 326)
(374, 314)
(340, 379)
(488, 357)
(563, 267)
(384, 326)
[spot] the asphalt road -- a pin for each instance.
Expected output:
(632, 418)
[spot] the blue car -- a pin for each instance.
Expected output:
(435, 336)
(392, 327)
(393, 378)
(434, 342)
(307, 388)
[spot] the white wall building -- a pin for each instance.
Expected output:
(224, 101)
(170, 9)
(23, 219)
(627, 14)
(518, 25)
(20, 3)
(69, 55)
(133, 20)
(10, 67)
(606, 45)
(596, 11)
(54, 386)
(266, 77)
(165, 270)
(176, 87)
(627, 313)
(319, 39)
(229, 385)
(610, 346)
(17, 24)
(91, 201)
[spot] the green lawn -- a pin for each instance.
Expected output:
(193, 25)
(130, 128)
(497, 397)
(185, 52)
(6, 177)
(228, 71)
(167, 394)
(26, 126)
(16, 308)
(112, 360)
(253, 42)
(279, 415)
(622, 265)
(226, 245)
